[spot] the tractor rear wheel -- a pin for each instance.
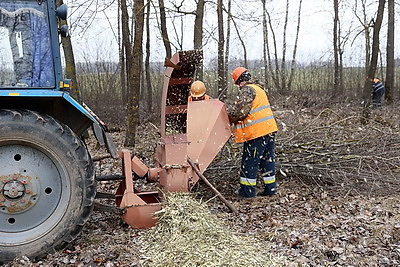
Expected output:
(47, 184)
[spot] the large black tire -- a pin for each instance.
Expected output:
(47, 184)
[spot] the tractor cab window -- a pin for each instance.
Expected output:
(25, 46)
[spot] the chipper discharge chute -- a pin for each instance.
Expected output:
(190, 132)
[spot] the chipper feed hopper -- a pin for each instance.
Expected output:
(47, 177)
(192, 133)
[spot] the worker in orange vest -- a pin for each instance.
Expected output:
(255, 126)
(198, 92)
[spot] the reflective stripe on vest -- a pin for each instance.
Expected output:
(239, 126)
(259, 108)
(259, 122)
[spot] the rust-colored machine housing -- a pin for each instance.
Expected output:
(195, 130)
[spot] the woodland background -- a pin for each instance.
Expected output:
(360, 43)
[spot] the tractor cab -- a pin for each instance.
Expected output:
(25, 41)
(31, 74)
(28, 57)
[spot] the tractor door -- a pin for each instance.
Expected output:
(25, 46)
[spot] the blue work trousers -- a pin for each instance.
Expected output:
(258, 154)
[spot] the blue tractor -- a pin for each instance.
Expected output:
(47, 179)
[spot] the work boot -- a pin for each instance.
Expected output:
(247, 191)
(269, 190)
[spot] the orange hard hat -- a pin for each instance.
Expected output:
(237, 72)
(197, 89)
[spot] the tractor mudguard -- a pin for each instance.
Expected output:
(61, 106)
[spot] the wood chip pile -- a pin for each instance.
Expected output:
(187, 234)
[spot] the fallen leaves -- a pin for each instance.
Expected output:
(343, 211)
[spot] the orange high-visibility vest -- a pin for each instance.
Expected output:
(260, 120)
(190, 98)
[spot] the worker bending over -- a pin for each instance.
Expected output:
(198, 92)
(255, 126)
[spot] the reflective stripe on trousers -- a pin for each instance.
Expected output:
(247, 181)
(269, 179)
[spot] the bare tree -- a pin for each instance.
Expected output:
(293, 63)
(374, 59)
(164, 32)
(273, 69)
(70, 70)
(336, 79)
(134, 69)
(279, 73)
(267, 61)
(198, 34)
(121, 48)
(342, 39)
(283, 61)
(390, 54)
(239, 35)
(228, 35)
(148, 89)
(125, 53)
(222, 83)
(367, 24)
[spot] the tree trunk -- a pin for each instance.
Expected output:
(148, 89)
(122, 71)
(239, 34)
(164, 32)
(228, 36)
(222, 85)
(126, 47)
(293, 63)
(283, 63)
(70, 70)
(336, 77)
(390, 54)
(198, 35)
(134, 69)
(273, 69)
(374, 60)
(265, 44)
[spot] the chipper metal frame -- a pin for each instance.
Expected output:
(192, 134)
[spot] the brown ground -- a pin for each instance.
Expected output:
(338, 193)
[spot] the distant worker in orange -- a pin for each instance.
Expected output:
(378, 89)
(198, 92)
(255, 127)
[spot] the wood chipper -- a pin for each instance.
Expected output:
(192, 133)
(47, 178)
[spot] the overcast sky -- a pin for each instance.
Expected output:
(97, 41)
